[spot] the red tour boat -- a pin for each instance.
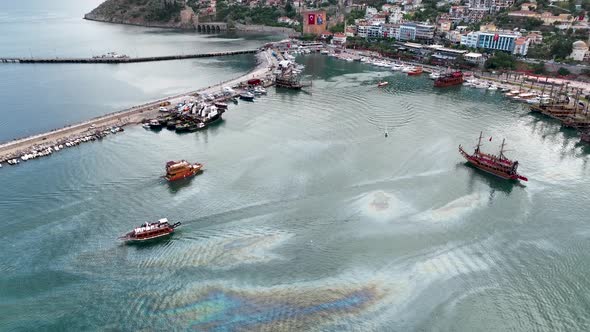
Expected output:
(177, 170)
(149, 231)
(497, 165)
(454, 78)
(415, 72)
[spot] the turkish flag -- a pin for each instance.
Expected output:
(496, 37)
(311, 19)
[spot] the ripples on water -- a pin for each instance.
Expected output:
(307, 218)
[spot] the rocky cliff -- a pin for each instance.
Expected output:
(153, 13)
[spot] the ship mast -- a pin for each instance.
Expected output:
(479, 142)
(502, 150)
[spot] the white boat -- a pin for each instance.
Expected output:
(324, 52)
(260, 90)
(526, 95)
(397, 66)
(482, 85)
(534, 100)
(434, 75)
(492, 87)
(349, 59)
(407, 69)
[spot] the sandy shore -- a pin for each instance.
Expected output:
(133, 115)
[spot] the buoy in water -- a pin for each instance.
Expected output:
(386, 135)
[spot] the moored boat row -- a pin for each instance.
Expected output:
(48, 149)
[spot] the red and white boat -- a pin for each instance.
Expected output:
(150, 231)
(382, 84)
(415, 72)
(497, 165)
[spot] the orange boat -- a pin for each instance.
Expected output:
(177, 170)
(416, 71)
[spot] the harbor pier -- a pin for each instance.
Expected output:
(123, 59)
(113, 122)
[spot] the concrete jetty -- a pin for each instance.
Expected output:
(117, 60)
(133, 115)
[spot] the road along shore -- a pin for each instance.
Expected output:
(46, 143)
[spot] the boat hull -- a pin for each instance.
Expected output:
(153, 237)
(486, 168)
(183, 175)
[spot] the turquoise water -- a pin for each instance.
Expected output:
(37, 98)
(307, 218)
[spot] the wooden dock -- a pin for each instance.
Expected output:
(116, 60)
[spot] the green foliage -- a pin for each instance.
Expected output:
(561, 48)
(353, 15)
(539, 68)
(532, 23)
(258, 15)
(337, 28)
(501, 60)
(381, 45)
(563, 71)
(162, 12)
(429, 11)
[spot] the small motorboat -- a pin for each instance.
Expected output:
(382, 84)
(150, 231)
(155, 124)
(417, 71)
(247, 96)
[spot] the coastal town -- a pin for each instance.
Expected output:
(484, 40)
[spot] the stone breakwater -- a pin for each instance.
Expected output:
(44, 144)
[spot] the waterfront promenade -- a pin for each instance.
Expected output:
(132, 115)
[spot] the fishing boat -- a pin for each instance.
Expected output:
(497, 165)
(221, 105)
(382, 84)
(171, 125)
(247, 96)
(450, 79)
(182, 128)
(196, 126)
(150, 231)
(417, 71)
(155, 124)
(177, 170)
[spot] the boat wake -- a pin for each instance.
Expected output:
(220, 250)
(454, 209)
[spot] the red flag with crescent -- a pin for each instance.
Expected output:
(496, 37)
(310, 19)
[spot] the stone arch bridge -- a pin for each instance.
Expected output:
(211, 27)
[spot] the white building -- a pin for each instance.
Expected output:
(474, 58)
(396, 15)
(579, 51)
